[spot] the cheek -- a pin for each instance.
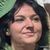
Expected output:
(39, 29)
(38, 26)
(16, 27)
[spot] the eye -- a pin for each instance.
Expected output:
(36, 18)
(19, 19)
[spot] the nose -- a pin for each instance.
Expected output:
(29, 23)
(30, 28)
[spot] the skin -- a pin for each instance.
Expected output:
(26, 29)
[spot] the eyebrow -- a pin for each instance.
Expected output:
(24, 16)
(20, 16)
(34, 15)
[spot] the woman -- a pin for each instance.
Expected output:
(24, 27)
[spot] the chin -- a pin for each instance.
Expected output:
(30, 41)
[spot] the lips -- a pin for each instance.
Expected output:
(29, 33)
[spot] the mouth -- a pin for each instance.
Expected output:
(29, 33)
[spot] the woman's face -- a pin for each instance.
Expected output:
(27, 27)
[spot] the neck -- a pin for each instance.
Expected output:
(23, 46)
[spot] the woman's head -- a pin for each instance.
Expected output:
(27, 27)
(25, 23)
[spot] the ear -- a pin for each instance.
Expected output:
(7, 32)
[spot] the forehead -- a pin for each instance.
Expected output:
(25, 10)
